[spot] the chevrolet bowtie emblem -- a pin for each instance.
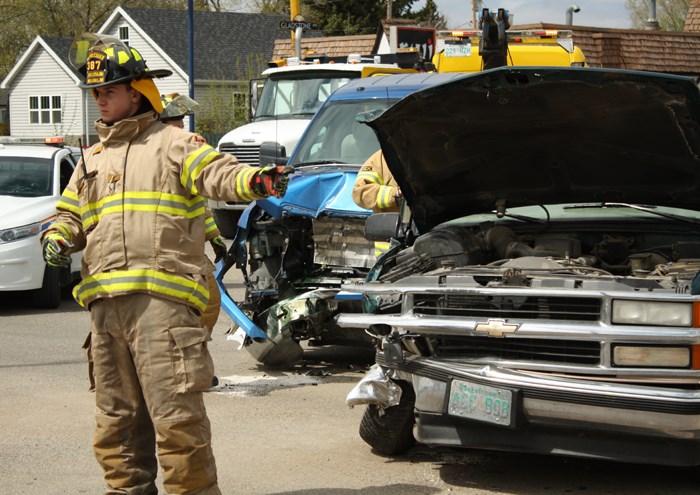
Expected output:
(496, 328)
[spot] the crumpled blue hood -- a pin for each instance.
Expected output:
(317, 191)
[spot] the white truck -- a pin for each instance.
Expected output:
(290, 96)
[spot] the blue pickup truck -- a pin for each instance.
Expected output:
(297, 251)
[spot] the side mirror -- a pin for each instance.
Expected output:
(381, 226)
(272, 153)
(256, 86)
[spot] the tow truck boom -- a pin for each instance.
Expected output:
(493, 45)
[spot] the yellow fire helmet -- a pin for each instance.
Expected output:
(104, 60)
(176, 106)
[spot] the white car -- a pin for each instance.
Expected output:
(32, 178)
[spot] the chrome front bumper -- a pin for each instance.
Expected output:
(558, 415)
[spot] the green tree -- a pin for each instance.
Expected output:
(225, 106)
(271, 6)
(670, 13)
(430, 16)
(23, 20)
(356, 17)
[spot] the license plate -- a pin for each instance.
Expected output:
(480, 402)
(458, 50)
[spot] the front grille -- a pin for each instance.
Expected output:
(518, 349)
(489, 306)
(245, 154)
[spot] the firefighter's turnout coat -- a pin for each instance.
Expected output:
(375, 188)
(137, 209)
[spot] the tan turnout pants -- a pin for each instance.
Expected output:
(151, 364)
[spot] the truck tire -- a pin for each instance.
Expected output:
(49, 295)
(227, 221)
(391, 432)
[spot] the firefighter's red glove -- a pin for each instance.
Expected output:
(219, 247)
(271, 180)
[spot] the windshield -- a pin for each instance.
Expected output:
(336, 135)
(286, 96)
(27, 177)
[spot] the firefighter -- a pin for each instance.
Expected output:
(375, 188)
(175, 108)
(135, 206)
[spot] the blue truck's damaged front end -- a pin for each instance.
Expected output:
(297, 251)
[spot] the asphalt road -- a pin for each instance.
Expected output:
(274, 432)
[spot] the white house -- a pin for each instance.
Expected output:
(44, 94)
(44, 97)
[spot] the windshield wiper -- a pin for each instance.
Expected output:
(524, 218)
(645, 208)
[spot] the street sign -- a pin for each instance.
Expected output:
(306, 26)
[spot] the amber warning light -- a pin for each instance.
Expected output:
(53, 140)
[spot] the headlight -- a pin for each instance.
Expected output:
(651, 356)
(17, 233)
(668, 314)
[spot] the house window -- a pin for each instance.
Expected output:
(44, 109)
(240, 100)
(124, 34)
(240, 105)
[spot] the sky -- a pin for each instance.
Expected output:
(598, 13)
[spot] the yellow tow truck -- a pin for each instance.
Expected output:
(493, 45)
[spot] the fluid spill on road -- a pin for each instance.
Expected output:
(257, 386)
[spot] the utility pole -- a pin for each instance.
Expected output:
(477, 5)
(294, 10)
(388, 9)
(190, 55)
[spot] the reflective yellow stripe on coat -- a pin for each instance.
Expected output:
(69, 201)
(194, 164)
(210, 225)
(173, 204)
(120, 281)
(384, 197)
(243, 179)
(370, 176)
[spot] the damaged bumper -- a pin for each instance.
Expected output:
(542, 413)
(375, 388)
(275, 345)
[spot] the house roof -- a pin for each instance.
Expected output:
(692, 19)
(60, 47)
(333, 46)
(57, 48)
(385, 24)
(635, 49)
(223, 41)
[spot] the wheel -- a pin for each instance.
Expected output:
(227, 221)
(49, 295)
(390, 432)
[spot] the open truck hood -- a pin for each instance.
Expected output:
(521, 136)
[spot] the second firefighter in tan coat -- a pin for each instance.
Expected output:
(175, 108)
(375, 188)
